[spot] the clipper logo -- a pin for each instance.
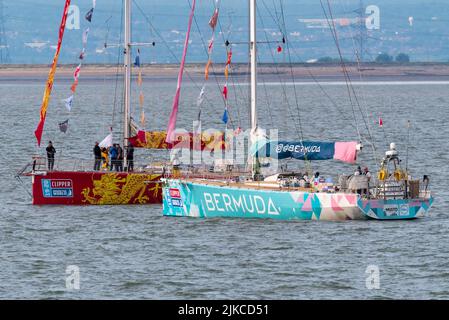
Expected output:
(57, 188)
(175, 196)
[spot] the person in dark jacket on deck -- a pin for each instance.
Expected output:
(130, 157)
(119, 158)
(113, 156)
(97, 155)
(50, 155)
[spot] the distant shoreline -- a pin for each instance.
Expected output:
(268, 72)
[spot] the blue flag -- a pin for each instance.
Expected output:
(225, 117)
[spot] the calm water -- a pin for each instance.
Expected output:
(133, 252)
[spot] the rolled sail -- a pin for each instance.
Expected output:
(308, 150)
(208, 141)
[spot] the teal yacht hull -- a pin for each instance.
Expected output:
(186, 198)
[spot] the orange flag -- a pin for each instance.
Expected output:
(206, 71)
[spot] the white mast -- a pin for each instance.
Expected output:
(127, 70)
(253, 63)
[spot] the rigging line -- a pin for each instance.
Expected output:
(169, 49)
(117, 72)
(327, 95)
(291, 68)
(343, 67)
(357, 55)
(231, 76)
(363, 96)
(281, 81)
(299, 59)
(212, 65)
(267, 96)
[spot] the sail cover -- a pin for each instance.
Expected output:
(205, 141)
(308, 150)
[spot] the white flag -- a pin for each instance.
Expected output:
(200, 98)
(85, 37)
(94, 3)
(107, 142)
(69, 103)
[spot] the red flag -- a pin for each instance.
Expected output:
(77, 73)
(51, 76)
(381, 123)
(225, 92)
(213, 20)
(229, 57)
(279, 49)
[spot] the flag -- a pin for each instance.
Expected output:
(63, 126)
(225, 92)
(69, 103)
(139, 79)
(210, 46)
(381, 123)
(229, 57)
(46, 98)
(174, 113)
(214, 19)
(279, 49)
(137, 62)
(89, 15)
(77, 72)
(200, 98)
(142, 119)
(81, 56)
(206, 70)
(226, 72)
(141, 99)
(85, 37)
(74, 85)
(107, 142)
(225, 116)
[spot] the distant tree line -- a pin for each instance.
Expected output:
(381, 58)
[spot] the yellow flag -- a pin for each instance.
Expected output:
(226, 72)
(141, 99)
(139, 79)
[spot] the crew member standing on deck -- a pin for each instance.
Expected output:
(113, 157)
(50, 155)
(97, 155)
(130, 157)
(119, 158)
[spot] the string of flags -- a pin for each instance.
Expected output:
(139, 84)
(213, 24)
(225, 117)
(63, 126)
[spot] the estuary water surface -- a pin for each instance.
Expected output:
(126, 252)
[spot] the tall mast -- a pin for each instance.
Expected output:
(253, 63)
(127, 76)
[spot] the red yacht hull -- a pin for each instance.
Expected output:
(96, 188)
